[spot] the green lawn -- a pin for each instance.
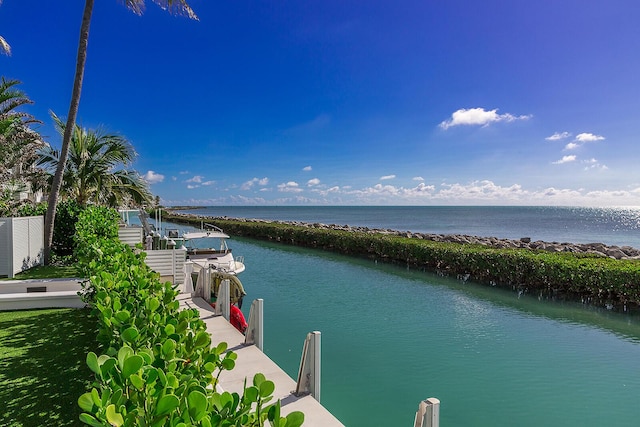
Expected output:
(42, 365)
(46, 272)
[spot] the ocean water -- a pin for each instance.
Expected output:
(612, 226)
(392, 337)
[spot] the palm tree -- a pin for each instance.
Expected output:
(10, 100)
(18, 146)
(97, 168)
(178, 7)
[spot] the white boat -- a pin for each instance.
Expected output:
(208, 248)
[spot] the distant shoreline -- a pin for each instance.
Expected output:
(596, 248)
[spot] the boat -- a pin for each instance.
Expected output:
(208, 248)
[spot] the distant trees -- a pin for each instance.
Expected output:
(180, 7)
(98, 168)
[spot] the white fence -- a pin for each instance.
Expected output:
(21, 244)
(168, 262)
(130, 235)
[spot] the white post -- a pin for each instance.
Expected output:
(223, 303)
(187, 286)
(428, 414)
(309, 373)
(206, 290)
(255, 330)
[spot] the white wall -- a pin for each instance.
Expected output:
(21, 244)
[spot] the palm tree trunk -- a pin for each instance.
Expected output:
(71, 120)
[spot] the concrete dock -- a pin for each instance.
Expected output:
(251, 361)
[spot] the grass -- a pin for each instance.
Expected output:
(42, 365)
(46, 272)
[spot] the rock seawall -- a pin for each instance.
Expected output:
(597, 249)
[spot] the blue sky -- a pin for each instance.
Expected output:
(338, 102)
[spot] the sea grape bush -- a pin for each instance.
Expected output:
(595, 280)
(158, 367)
(65, 226)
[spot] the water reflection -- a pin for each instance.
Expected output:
(624, 325)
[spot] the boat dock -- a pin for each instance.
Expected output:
(251, 360)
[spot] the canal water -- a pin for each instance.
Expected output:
(393, 337)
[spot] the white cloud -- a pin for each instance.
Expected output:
(565, 159)
(152, 177)
(333, 189)
(184, 172)
(479, 117)
(289, 187)
(387, 177)
(588, 137)
(418, 178)
(174, 178)
(571, 146)
(196, 178)
(191, 187)
(484, 190)
(558, 136)
(306, 168)
(312, 182)
(481, 192)
(594, 164)
(259, 181)
(208, 183)
(420, 191)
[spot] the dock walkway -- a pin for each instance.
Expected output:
(251, 361)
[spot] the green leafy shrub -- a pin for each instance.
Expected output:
(67, 212)
(581, 277)
(158, 367)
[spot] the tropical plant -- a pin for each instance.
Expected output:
(97, 169)
(10, 100)
(18, 147)
(158, 366)
(178, 7)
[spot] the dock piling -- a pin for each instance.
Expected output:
(255, 330)
(309, 372)
(223, 302)
(428, 414)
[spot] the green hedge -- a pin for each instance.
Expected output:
(67, 212)
(158, 367)
(583, 277)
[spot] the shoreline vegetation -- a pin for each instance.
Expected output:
(594, 273)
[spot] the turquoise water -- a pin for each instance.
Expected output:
(612, 226)
(392, 337)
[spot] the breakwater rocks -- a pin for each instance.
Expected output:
(596, 274)
(596, 249)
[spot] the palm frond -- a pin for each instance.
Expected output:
(177, 7)
(96, 170)
(136, 6)
(4, 46)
